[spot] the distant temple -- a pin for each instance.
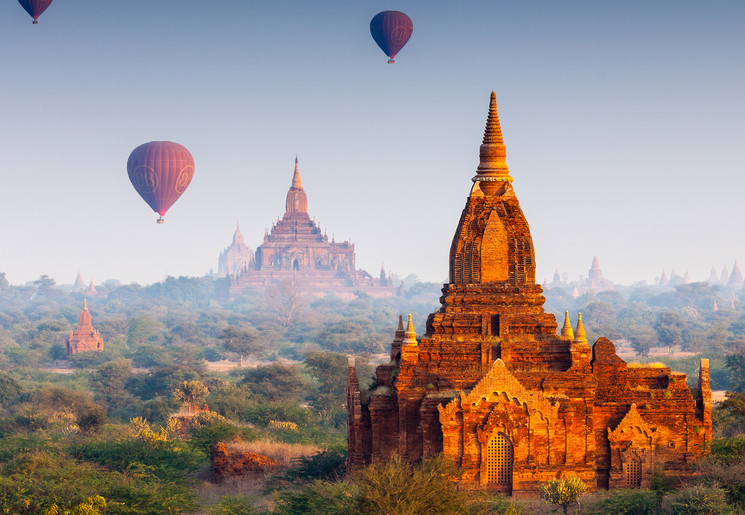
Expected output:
(84, 338)
(297, 250)
(494, 387)
(235, 257)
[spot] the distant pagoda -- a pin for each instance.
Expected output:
(84, 338)
(297, 250)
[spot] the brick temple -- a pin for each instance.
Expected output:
(496, 387)
(84, 338)
(297, 250)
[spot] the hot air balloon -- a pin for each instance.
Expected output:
(160, 171)
(391, 30)
(35, 7)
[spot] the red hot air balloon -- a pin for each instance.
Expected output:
(391, 30)
(160, 171)
(35, 7)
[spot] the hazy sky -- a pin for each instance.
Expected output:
(624, 124)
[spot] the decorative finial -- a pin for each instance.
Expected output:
(567, 331)
(410, 334)
(580, 337)
(492, 168)
(85, 304)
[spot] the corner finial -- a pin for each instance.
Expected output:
(492, 168)
(580, 337)
(410, 334)
(567, 331)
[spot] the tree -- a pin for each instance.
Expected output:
(330, 370)
(44, 284)
(564, 493)
(736, 365)
(144, 329)
(9, 390)
(669, 327)
(643, 339)
(275, 383)
(191, 393)
(241, 341)
(109, 382)
(4, 284)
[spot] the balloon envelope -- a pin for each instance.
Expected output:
(160, 171)
(391, 30)
(35, 7)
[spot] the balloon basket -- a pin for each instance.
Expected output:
(35, 22)
(391, 61)
(160, 220)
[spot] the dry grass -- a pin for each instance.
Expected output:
(282, 453)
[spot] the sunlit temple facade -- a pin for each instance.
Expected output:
(501, 391)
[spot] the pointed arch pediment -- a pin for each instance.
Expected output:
(633, 428)
(499, 383)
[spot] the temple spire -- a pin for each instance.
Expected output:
(580, 337)
(297, 201)
(296, 182)
(492, 154)
(567, 331)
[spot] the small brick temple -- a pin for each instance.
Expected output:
(495, 388)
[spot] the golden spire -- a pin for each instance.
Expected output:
(493, 153)
(296, 183)
(580, 337)
(410, 334)
(566, 331)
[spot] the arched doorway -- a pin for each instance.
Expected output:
(296, 265)
(499, 462)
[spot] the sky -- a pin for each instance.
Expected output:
(624, 124)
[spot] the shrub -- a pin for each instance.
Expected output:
(234, 505)
(328, 465)
(564, 493)
(697, 500)
(342, 498)
(729, 476)
(627, 502)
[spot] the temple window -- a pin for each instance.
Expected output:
(499, 460)
(634, 473)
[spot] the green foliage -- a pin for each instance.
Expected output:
(235, 505)
(342, 498)
(172, 461)
(10, 390)
(191, 393)
(326, 465)
(36, 481)
(698, 499)
(626, 502)
(275, 383)
(90, 506)
(289, 412)
(725, 469)
(209, 428)
(396, 487)
(564, 493)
